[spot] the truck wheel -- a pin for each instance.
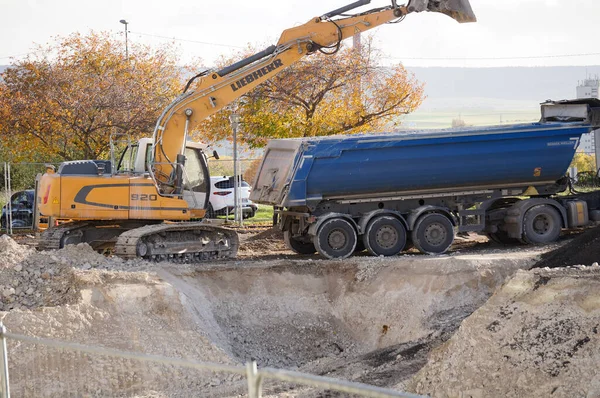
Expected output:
(541, 224)
(298, 246)
(433, 234)
(385, 236)
(336, 238)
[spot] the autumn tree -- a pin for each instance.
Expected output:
(584, 162)
(322, 94)
(66, 100)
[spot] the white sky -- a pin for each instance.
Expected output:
(506, 28)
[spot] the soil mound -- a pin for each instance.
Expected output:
(583, 250)
(266, 242)
(536, 337)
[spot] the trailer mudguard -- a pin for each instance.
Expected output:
(314, 228)
(364, 220)
(416, 213)
(513, 221)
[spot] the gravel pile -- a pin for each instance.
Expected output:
(582, 250)
(31, 279)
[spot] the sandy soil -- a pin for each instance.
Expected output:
(536, 337)
(366, 319)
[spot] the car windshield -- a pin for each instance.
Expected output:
(20, 198)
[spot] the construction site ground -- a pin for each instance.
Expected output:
(479, 321)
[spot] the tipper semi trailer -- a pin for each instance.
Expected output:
(385, 192)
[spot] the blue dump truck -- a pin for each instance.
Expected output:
(384, 192)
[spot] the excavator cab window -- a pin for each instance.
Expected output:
(127, 161)
(148, 158)
(196, 171)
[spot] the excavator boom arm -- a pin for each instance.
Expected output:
(218, 89)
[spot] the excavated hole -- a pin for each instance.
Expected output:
(290, 313)
(367, 319)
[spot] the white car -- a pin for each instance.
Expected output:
(221, 198)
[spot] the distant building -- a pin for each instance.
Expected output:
(589, 88)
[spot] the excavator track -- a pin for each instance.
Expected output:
(52, 238)
(188, 242)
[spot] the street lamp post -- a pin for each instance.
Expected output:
(237, 215)
(124, 22)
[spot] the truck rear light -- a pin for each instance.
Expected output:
(222, 193)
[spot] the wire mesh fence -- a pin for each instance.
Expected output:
(37, 370)
(39, 367)
(224, 167)
(17, 197)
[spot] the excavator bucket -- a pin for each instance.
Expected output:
(460, 10)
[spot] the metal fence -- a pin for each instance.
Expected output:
(587, 180)
(38, 367)
(17, 199)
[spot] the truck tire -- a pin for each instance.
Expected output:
(541, 224)
(385, 236)
(433, 234)
(297, 246)
(336, 238)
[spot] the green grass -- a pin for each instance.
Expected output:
(263, 216)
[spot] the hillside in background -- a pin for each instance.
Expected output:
(537, 84)
(484, 96)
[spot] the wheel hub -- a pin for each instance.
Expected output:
(387, 237)
(336, 239)
(541, 224)
(435, 234)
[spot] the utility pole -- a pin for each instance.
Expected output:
(124, 22)
(237, 215)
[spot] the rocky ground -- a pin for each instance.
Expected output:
(372, 320)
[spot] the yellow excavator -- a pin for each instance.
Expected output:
(141, 206)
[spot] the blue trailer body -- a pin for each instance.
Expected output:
(338, 195)
(307, 171)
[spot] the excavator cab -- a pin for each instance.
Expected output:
(459, 10)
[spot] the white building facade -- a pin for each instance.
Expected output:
(589, 88)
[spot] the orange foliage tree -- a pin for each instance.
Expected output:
(348, 92)
(65, 101)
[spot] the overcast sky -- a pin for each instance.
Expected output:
(549, 29)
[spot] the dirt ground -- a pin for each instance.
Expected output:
(373, 320)
(536, 337)
(584, 250)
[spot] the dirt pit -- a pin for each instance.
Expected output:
(366, 319)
